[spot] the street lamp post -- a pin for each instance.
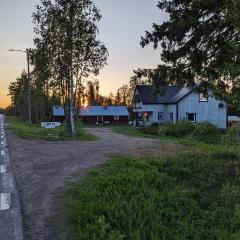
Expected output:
(27, 51)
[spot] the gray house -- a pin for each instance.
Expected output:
(177, 104)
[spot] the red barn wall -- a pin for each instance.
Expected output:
(110, 119)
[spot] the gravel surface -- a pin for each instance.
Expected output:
(42, 168)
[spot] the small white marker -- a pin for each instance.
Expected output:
(5, 201)
(3, 169)
(2, 152)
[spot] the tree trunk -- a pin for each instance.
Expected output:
(71, 82)
(71, 104)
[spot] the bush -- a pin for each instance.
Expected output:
(206, 129)
(180, 129)
(232, 136)
(153, 130)
(189, 196)
(155, 124)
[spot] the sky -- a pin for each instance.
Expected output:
(121, 27)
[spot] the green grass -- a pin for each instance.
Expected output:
(34, 131)
(193, 195)
(188, 141)
(131, 131)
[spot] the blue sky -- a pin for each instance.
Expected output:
(122, 25)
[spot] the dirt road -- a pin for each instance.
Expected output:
(42, 168)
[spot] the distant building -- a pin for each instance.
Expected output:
(233, 120)
(58, 114)
(96, 114)
(178, 104)
(105, 115)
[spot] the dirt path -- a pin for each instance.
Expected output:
(42, 167)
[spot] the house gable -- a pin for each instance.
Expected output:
(213, 110)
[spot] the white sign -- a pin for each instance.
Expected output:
(50, 124)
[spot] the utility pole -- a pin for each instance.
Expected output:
(29, 99)
(29, 88)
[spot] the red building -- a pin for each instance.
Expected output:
(105, 115)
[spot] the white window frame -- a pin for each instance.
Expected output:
(202, 98)
(116, 118)
(195, 117)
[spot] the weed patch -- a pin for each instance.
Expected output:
(193, 195)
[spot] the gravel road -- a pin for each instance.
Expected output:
(42, 168)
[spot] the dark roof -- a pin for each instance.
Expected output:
(146, 94)
(172, 94)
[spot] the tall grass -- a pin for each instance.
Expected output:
(194, 195)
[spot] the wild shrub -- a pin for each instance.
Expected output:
(189, 196)
(180, 129)
(232, 136)
(153, 130)
(205, 130)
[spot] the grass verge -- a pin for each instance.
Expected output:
(193, 195)
(131, 131)
(35, 131)
(187, 141)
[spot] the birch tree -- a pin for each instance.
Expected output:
(66, 30)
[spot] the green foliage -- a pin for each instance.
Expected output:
(134, 132)
(199, 40)
(232, 136)
(180, 129)
(153, 130)
(205, 129)
(194, 195)
(18, 92)
(206, 132)
(34, 131)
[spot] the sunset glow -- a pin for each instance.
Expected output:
(122, 25)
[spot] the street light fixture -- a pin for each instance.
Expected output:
(27, 51)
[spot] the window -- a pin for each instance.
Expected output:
(170, 117)
(191, 117)
(202, 98)
(136, 105)
(160, 116)
(116, 118)
(146, 116)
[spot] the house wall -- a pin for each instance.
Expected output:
(153, 109)
(58, 119)
(205, 111)
(110, 119)
(171, 109)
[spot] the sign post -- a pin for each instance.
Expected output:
(50, 125)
